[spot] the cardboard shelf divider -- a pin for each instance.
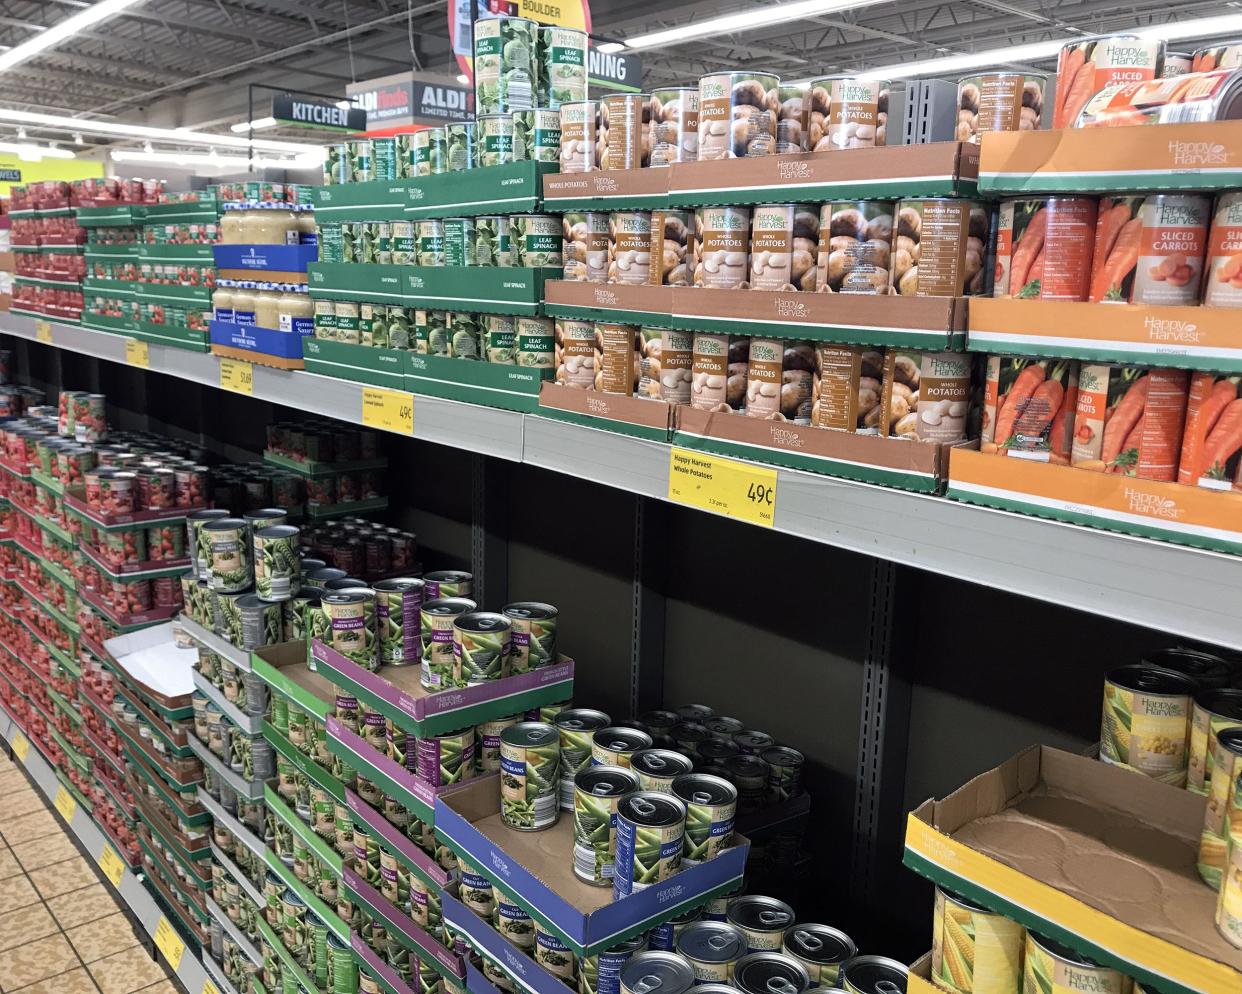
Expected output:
(649, 419)
(621, 303)
(493, 384)
(606, 190)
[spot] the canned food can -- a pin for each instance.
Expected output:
(671, 248)
(783, 247)
(554, 956)
(821, 950)
(575, 728)
(764, 920)
(579, 136)
(361, 163)
(336, 165)
(1213, 712)
(487, 741)
(459, 241)
(229, 551)
(277, 568)
(723, 247)
(562, 57)
(597, 792)
(490, 245)
(601, 973)
(446, 759)
(398, 612)
(780, 378)
(430, 240)
(481, 641)
(998, 101)
(624, 120)
(351, 615)
(505, 64)
(1146, 724)
(948, 238)
(649, 839)
(629, 247)
(674, 126)
(614, 745)
(749, 774)
(712, 949)
(575, 354)
(770, 973)
(476, 892)
(536, 342)
(513, 922)
(533, 644)
(847, 112)
(1171, 233)
(431, 332)
(1043, 247)
(500, 339)
(1215, 842)
(1086, 67)
(496, 139)
(447, 583)
(436, 621)
(711, 807)
(736, 119)
(463, 142)
(784, 773)
(658, 768)
(537, 135)
(404, 242)
(535, 240)
(971, 943)
(855, 247)
(687, 735)
(529, 776)
(262, 623)
(384, 156)
(429, 151)
(656, 970)
(793, 107)
(1050, 966)
(347, 321)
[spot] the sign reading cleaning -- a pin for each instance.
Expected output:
(309, 112)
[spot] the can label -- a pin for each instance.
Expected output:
(504, 64)
(629, 247)
(1043, 248)
(487, 740)
(939, 248)
(529, 778)
(735, 118)
(1086, 68)
(674, 126)
(446, 759)
(579, 125)
(595, 830)
(617, 359)
(554, 956)
(476, 892)
(1204, 728)
(437, 665)
(855, 112)
(975, 952)
(646, 854)
(1223, 286)
(723, 248)
(1171, 250)
(514, 923)
(709, 831)
(1146, 732)
(536, 342)
(495, 140)
(1045, 972)
(622, 115)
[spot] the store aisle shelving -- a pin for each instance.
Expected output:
(61, 929)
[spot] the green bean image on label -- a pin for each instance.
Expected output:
(597, 792)
(529, 776)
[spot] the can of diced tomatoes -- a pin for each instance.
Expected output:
(1044, 248)
(1150, 250)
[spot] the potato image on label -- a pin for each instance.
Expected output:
(778, 380)
(723, 248)
(579, 136)
(737, 115)
(783, 247)
(791, 119)
(998, 101)
(718, 372)
(855, 247)
(629, 247)
(650, 363)
(845, 112)
(940, 247)
(847, 388)
(674, 126)
(575, 353)
(585, 248)
(676, 363)
(926, 395)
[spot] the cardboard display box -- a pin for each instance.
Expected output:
(1172, 512)
(606, 190)
(492, 384)
(251, 343)
(650, 419)
(513, 188)
(173, 335)
(536, 869)
(1083, 160)
(377, 367)
(402, 927)
(893, 462)
(619, 303)
(1095, 857)
(1180, 337)
(380, 200)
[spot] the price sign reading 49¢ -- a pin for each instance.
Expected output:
(388, 410)
(725, 486)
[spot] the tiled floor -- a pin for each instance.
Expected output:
(61, 930)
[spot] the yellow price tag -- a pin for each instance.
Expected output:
(137, 353)
(237, 376)
(169, 942)
(112, 865)
(65, 803)
(21, 746)
(43, 332)
(726, 486)
(389, 410)
(209, 987)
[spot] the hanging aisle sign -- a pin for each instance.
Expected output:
(312, 112)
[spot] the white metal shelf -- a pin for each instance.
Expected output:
(212, 642)
(240, 831)
(234, 933)
(251, 724)
(235, 871)
(1187, 592)
(251, 790)
(141, 903)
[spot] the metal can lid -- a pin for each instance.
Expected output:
(819, 943)
(782, 756)
(1226, 703)
(278, 531)
(581, 719)
(1207, 670)
(752, 740)
(614, 738)
(760, 914)
(874, 975)
(656, 972)
(446, 606)
(700, 788)
(449, 576)
(695, 712)
(661, 763)
(717, 749)
(344, 583)
(482, 621)
(532, 610)
(746, 766)
(690, 731)
(712, 942)
(530, 733)
(325, 574)
(659, 720)
(606, 781)
(724, 725)
(220, 524)
(1231, 739)
(652, 808)
(770, 973)
(399, 584)
(344, 597)
(266, 512)
(1152, 680)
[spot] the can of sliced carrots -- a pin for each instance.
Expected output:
(974, 949)
(1212, 438)
(1150, 250)
(1028, 408)
(1086, 67)
(1194, 98)
(1128, 420)
(1223, 284)
(1226, 56)
(1176, 64)
(1044, 248)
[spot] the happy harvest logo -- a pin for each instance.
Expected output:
(1152, 505)
(1162, 330)
(1198, 153)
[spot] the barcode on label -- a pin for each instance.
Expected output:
(584, 863)
(546, 808)
(520, 94)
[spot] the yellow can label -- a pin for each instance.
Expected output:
(1229, 904)
(1146, 732)
(1045, 973)
(975, 952)
(1204, 728)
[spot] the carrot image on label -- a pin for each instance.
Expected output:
(1015, 401)
(1028, 252)
(1026, 402)
(1122, 420)
(1210, 395)
(1081, 89)
(1071, 62)
(1114, 270)
(1224, 442)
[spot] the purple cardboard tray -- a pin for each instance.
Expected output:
(406, 851)
(399, 922)
(499, 950)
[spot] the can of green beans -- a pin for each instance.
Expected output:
(784, 773)
(262, 622)
(601, 973)
(660, 724)
(764, 920)
(658, 768)
(437, 617)
(323, 813)
(424, 903)
(228, 543)
(530, 776)
(554, 956)
(649, 832)
(476, 892)
(513, 922)
(749, 774)
(481, 642)
(820, 949)
(576, 728)
(197, 542)
(534, 635)
(498, 978)
(397, 606)
(712, 949)
(343, 830)
(446, 759)
(277, 570)
(711, 807)
(351, 615)
(487, 742)
(273, 889)
(597, 792)
(615, 745)
(448, 583)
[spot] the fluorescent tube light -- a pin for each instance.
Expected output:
(263, 122)
(609, 47)
(191, 159)
(33, 153)
(462, 78)
(50, 37)
(752, 17)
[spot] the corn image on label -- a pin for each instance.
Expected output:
(1047, 973)
(1146, 732)
(1222, 802)
(974, 951)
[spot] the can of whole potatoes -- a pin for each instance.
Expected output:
(723, 248)
(672, 232)
(500, 338)
(656, 970)
(597, 792)
(505, 64)
(791, 119)
(576, 728)
(351, 614)
(711, 949)
(780, 380)
(586, 246)
(536, 343)
(1215, 840)
(614, 745)
(1086, 67)
(277, 567)
(676, 365)
(228, 544)
(649, 838)
(481, 641)
(1043, 248)
(496, 139)
(447, 583)
(715, 385)
(629, 247)
(940, 247)
(487, 742)
(847, 112)
(534, 635)
(770, 972)
(674, 125)
(535, 240)
(398, 605)
(624, 119)
(537, 135)
(530, 776)
(736, 119)
(601, 972)
(513, 922)
(361, 164)
(1146, 724)
(437, 620)
(575, 353)
(711, 806)
(783, 247)
(999, 101)
(821, 950)
(972, 946)
(1213, 712)
(616, 361)
(579, 136)
(1052, 967)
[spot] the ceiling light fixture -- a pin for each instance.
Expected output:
(462, 78)
(185, 136)
(33, 153)
(77, 138)
(728, 23)
(258, 125)
(609, 47)
(215, 160)
(21, 133)
(62, 30)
